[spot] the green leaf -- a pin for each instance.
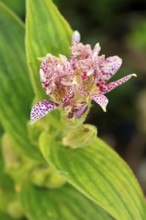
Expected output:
(16, 92)
(17, 6)
(6, 185)
(1, 159)
(46, 32)
(6, 191)
(99, 173)
(1, 155)
(1, 130)
(4, 216)
(63, 203)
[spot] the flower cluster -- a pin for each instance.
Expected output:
(71, 84)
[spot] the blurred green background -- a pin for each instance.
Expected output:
(120, 28)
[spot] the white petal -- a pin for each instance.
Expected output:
(96, 50)
(42, 76)
(41, 109)
(76, 37)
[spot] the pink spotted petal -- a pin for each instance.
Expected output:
(110, 67)
(81, 111)
(81, 91)
(69, 95)
(100, 99)
(41, 109)
(110, 86)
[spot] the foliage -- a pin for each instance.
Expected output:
(40, 177)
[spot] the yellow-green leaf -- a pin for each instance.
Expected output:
(99, 173)
(64, 203)
(16, 92)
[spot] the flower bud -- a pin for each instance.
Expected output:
(10, 155)
(15, 210)
(47, 177)
(80, 137)
(34, 131)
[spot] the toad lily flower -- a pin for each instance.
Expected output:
(72, 84)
